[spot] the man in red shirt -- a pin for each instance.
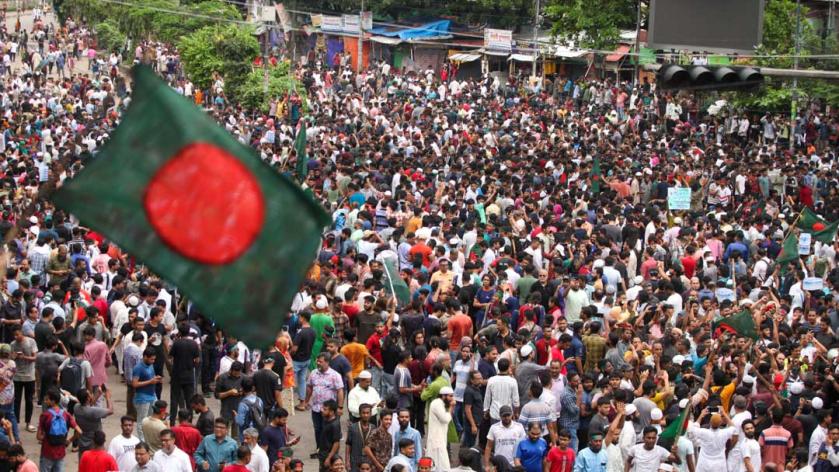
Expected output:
(544, 345)
(53, 448)
(97, 459)
(187, 436)
(243, 457)
(460, 325)
(423, 250)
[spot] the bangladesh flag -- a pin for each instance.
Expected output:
(741, 324)
(789, 251)
(809, 222)
(676, 428)
(302, 163)
(595, 176)
(395, 285)
(201, 209)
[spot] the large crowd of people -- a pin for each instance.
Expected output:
(559, 318)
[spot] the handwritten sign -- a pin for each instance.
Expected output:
(805, 241)
(678, 198)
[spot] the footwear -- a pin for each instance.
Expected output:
(313, 455)
(31, 428)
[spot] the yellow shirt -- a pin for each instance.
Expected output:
(356, 353)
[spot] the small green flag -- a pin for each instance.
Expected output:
(202, 210)
(741, 324)
(676, 428)
(595, 176)
(810, 222)
(789, 250)
(395, 285)
(300, 148)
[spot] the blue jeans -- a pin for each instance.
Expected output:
(49, 465)
(9, 411)
(575, 441)
(301, 371)
(458, 417)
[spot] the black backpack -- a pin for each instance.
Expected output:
(72, 377)
(257, 416)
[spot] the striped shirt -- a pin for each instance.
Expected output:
(501, 390)
(775, 441)
(537, 411)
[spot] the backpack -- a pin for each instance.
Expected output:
(57, 431)
(71, 376)
(257, 416)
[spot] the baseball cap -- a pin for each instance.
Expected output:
(503, 411)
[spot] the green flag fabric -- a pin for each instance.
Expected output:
(809, 222)
(676, 428)
(789, 250)
(741, 324)
(595, 176)
(394, 283)
(202, 210)
(302, 164)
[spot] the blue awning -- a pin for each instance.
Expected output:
(435, 30)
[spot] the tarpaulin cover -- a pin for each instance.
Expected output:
(426, 31)
(333, 46)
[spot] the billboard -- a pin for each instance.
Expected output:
(331, 24)
(498, 40)
(706, 25)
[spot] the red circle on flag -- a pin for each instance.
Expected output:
(818, 226)
(205, 204)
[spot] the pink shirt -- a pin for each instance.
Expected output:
(96, 352)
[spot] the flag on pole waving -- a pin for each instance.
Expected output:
(201, 210)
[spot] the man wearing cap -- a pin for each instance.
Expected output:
(439, 426)
(527, 371)
(711, 442)
(593, 458)
(503, 437)
(320, 320)
(363, 393)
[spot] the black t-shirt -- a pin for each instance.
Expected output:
(279, 362)
(184, 351)
(160, 360)
(43, 331)
(330, 435)
(304, 340)
(266, 382)
(206, 422)
(472, 396)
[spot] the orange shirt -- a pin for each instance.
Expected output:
(460, 325)
(356, 353)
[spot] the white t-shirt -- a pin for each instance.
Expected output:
(122, 450)
(506, 439)
(177, 461)
(644, 460)
(684, 449)
(750, 448)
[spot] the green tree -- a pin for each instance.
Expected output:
(592, 24)
(109, 37)
(779, 33)
(250, 91)
(170, 28)
(228, 50)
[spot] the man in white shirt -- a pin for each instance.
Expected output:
(121, 447)
(819, 434)
(749, 449)
(503, 437)
(169, 457)
(259, 458)
(648, 456)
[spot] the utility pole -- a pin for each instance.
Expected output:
(360, 58)
(794, 111)
(635, 78)
(535, 41)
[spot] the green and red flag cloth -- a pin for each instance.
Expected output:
(202, 210)
(676, 428)
(595, 176)
(302, 164)
(740, 324)
(810, 222)
(394, 283)
(789, 251)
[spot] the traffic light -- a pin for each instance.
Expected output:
(676, 77)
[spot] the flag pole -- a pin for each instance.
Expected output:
(390, 281)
